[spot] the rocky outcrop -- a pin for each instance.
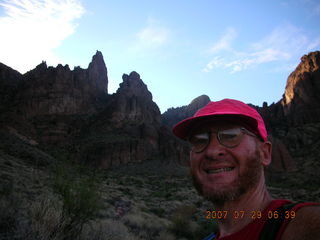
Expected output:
(72, 109)
(294, 121)
(60, 91)
(9, 82)
(134, 102)
(128, 130)
(301, 100)
(49, 99)
(174, 115)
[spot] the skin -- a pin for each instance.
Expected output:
(243, 188)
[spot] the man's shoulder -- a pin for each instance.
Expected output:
(305, 224)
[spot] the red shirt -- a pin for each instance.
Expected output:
(253, 230)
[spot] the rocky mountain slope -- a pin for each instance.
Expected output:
(72, 110)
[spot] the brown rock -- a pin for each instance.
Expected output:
(9, 83)
(129, 128)
(49, 91)
(173, 115)
(134, 102)
(281, 158)
(301, 101)
(49, 97)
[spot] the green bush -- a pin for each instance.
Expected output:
(78, 189)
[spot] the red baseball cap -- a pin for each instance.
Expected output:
(226, 109)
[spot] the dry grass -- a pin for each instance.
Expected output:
(46, 220)
(106, 229)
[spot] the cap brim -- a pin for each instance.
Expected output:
(184, 128)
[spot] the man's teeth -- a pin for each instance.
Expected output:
(219, 170)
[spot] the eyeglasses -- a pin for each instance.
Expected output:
(229, 138)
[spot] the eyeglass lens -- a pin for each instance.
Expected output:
(228, 138)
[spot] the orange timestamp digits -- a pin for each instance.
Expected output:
(256, 214)
(223, 214)
(286, 215)
(238, 214)
(253, 214)
(216, 214)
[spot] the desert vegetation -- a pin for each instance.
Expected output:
(44, 195)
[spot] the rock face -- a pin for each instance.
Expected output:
(69, 109)
(294, 121)
(50, 98)
(128, 129)
(134, 102)
(52, 91)
(9, 82)
(301, 100)
(174, 115)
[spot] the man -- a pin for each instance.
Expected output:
(229, 150)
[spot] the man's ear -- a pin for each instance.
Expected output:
(265, 153)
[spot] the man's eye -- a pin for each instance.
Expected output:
(199, 138)
(228, 136)
(200, 141)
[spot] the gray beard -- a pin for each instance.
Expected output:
(248, 180)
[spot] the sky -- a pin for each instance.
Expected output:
(182, 49)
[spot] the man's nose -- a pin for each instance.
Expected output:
(214, 148)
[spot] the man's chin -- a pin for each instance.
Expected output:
(219, 195)
(222, 195)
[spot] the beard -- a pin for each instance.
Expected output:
(247, 180)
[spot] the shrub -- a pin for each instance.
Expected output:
(181, 222)
(144, 225)
(79, 193)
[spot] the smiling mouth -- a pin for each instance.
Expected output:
(219, 170)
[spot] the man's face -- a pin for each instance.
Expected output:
(221, 173)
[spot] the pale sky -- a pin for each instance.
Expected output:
(182, 49)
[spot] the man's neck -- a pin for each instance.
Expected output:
(240, 212)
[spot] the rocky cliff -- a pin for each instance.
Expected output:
(71, 111)
(127, 130)
(47, 99)
(60, 91)
(301, 100)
